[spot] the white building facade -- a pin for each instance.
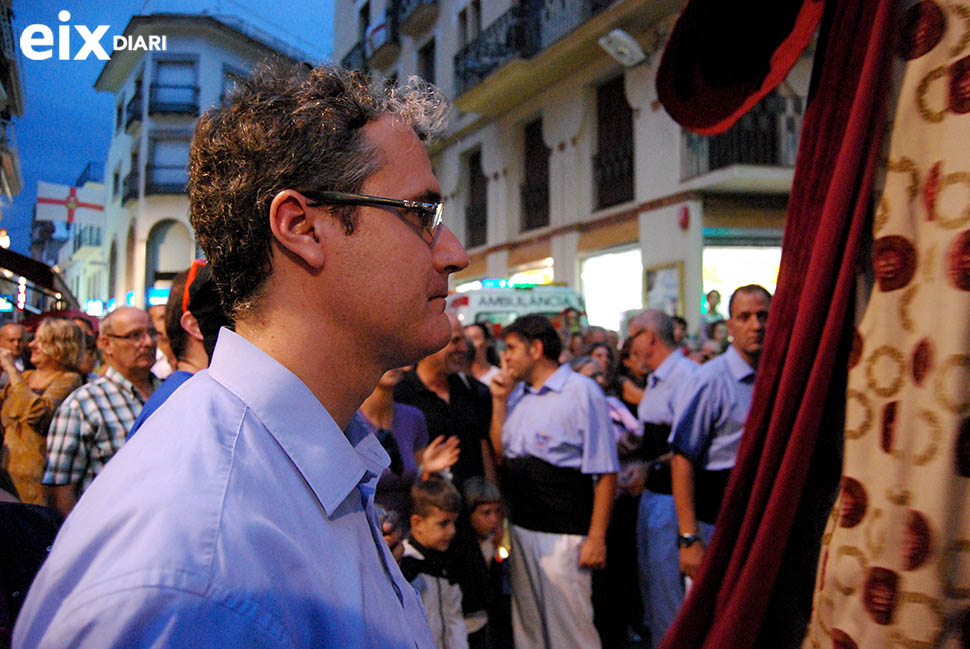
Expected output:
(561, 165)
(147, 237)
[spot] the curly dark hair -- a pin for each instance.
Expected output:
(282, 128)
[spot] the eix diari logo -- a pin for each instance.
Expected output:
(37, 41)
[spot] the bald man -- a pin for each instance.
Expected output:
(91, 424)
(12, 338)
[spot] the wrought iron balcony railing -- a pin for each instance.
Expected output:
(767, 135)
(166, 179)
(133, 111)
(496, 45)
(129, 187)
(177, 99)
(415, 16)
(521, 32)
(535, 204)
(476, 224)
(613, 172)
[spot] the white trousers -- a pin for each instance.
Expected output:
(552, 606)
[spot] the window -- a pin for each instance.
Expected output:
(115, 182)
(119, 113)
(175, 89)
(476, 210)
(167, 171)
(475, 19)
(613, 163)
(535, 188)
(363, 22)
(426, 62)
(463, 39)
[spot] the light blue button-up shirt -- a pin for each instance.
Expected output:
(566, 422)
(239, 516)
(710, 415)
(664, 387)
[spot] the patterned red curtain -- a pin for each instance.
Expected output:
(755, 586)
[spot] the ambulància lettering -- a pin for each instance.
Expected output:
(37, 41)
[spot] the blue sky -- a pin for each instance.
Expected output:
(66, 123)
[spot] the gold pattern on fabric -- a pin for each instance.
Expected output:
(929, 267)
(848, 551)
(932, 449)
(923, 90)
(956, 400)
(882, 216)
(934, 607)
(906, 166)
(858, 431)
(963, 12)
(901, 496)
(949, 180)
(913, 525)
(877, 379)
(904, 302)
(875, 539)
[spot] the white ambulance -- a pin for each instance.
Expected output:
(500, 305)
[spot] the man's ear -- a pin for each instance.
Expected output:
(298, 228)
(191, 325)
(536, 349)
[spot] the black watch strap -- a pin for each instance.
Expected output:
(687, 540)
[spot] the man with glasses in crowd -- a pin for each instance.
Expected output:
(91, 424)
(242, 514)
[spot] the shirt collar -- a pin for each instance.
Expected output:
(739, 367)
(666, 367)
(556, 382)
(118, 378)
(331, 461)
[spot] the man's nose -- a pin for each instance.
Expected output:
(448, 255)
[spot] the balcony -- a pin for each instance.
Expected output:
(133, 112)
(354, 59)
(86, 236)
(129, 187)
(173, 100)
(535, 204)
(414, 17)
(166, 179)
(766, 136)
(613, 172)
(538, 43)
(476, 224)
(383, 43)
(498, 44)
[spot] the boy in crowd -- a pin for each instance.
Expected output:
(483, 578)
(435, 505)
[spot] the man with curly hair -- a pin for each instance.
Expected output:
(242, 514)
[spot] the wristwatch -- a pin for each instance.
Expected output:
(687, 540)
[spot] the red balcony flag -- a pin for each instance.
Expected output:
(69, 204)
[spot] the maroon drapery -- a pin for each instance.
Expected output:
(799, 396)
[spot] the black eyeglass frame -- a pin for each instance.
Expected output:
(433, 211)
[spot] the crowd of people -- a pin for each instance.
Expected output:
(333, 461)
(593, 473)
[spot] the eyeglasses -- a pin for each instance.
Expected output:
(429, 214)
(136, 335)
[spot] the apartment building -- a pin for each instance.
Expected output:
(147, 237)
(561, 165)
(11, 104)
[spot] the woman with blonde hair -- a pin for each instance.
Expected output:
(30, 399)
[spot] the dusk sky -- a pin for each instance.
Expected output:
(67, 123)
